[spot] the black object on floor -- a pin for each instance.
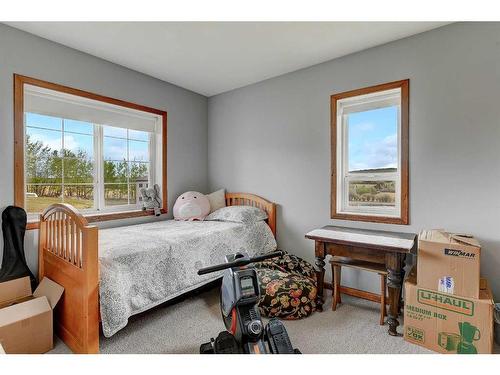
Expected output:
(225, 343)
(14, 261)
(240, 294)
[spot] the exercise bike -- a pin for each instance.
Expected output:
(239, 297)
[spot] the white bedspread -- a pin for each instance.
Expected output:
(144, 265)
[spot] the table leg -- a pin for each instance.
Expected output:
(403, 274)
(320, 274)
(394, 266)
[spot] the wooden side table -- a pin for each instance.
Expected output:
(387, 248)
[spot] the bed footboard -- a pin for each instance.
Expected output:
(67, 252)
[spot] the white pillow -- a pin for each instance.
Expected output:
(238, 214)
(217, 200)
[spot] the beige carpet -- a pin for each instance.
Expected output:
(182, 327)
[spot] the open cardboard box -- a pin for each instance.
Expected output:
(26, 318)
(449, 263)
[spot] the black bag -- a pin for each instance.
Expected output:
(14, 261)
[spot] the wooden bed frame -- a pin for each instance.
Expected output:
(68, 254)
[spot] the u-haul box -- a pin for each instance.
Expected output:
(448, 323)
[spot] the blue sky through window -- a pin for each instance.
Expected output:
(41, 121)
(78, 135)
(50, 138)
(115, 149)
(78, 127)
(48, 130)
(75, 142)
(373, 139)
(111, 131)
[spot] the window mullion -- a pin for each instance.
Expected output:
(99, 170)
(152, 159)
(128, 167)
(62, 160)
(345, 161)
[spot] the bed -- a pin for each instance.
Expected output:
(77, 255)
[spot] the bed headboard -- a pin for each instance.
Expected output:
(246, 199)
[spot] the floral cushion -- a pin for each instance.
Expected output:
(288, 289)
(291, 264)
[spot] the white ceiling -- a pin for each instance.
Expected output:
(214, 57)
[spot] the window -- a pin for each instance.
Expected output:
(370, 154)
(92, 152)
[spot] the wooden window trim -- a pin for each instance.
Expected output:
(404, 85)
(19, 196)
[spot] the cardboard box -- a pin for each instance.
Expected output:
(1, 349)
(26, 323)
(448, 263)
(447, 323)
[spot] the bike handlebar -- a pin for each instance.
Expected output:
(239, 262)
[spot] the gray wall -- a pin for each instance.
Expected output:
(272, 138)
(36, 57)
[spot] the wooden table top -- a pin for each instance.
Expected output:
(374, 239)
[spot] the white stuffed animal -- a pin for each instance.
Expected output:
(151, 199)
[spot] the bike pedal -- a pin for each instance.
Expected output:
(225, 343)
(207, 348)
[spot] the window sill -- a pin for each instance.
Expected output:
(371, 218)
(96, 218)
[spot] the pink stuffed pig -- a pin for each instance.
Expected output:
(191, 206)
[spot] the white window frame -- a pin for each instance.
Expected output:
(99, 205)
(154, 148)
(139, 117)
(379, 99)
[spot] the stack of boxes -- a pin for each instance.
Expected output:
(448, 306)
